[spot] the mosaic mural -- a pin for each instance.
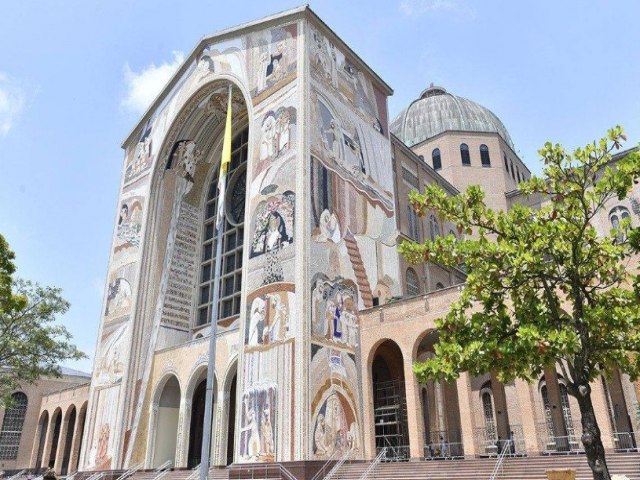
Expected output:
(335, 424)
(271, 311)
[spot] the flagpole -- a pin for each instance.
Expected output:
(208, 406)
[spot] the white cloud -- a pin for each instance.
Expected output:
(12, 101)
(145, 85)
(419, 7)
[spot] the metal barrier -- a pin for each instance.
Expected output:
(625, 442)
(395, 453)
(444, 451)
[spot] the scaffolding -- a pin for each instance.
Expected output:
(390, 414)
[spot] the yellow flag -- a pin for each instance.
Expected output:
(226, 145)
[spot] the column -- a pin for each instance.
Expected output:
(76, 443)
(414, 417)
(599, 401)
(184, 430)
(527, 415)
(62, 441)
(151, 433)
(466, 424)
(46, 452)
(368, 418)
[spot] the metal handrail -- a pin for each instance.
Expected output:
(163, 469)
(96, 476)
(503, 454)
(130, 472)
(195, 473)
(375, 462)
(320, 472)
(16, 475)
(337, 466)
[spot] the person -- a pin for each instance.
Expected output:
(444, 448)
(512, 445)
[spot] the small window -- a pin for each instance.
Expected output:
(413, 284)
(464, 154)
(513, 171)
(518, 174)
(484, 156)
(437, 161)
(434, 227)
(412, 220)
(506, 162)
(439, 286)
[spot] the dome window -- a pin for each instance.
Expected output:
(437, 160)
(484, 156)
(464, 154)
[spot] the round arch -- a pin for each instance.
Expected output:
(43, 427)
(164, 421)
(69, 425)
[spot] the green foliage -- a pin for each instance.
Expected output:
(32, 344)
(543, 287)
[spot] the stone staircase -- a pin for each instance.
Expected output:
(516, 468)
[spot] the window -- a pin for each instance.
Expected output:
(513, 171)
(439, 286)
(616, 216)
(12, 427)
(412, 220)
(484, 156)
(410, 177)
(518, 174)
(506, 162)
(413, 284)
(489, 419)
(233, 236)
(464, 154)
(435, 157)
(434, 227)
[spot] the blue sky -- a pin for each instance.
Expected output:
(75, 75)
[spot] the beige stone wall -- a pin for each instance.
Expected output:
(188, 364)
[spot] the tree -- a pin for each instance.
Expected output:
(543, 288)
(32, 344)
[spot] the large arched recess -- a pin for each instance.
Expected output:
(194, 121)
(386, 366)
(167, 405)
(195, 394)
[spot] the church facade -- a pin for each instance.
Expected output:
(319, 318)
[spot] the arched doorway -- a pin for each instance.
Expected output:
(70, 426)
(390, 402)
(57, 423)
(440, 409)
(196, 428)
(75, 454)
(43, 426)
(167, 416)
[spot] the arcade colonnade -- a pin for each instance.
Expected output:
(474, 416)
(59, 433)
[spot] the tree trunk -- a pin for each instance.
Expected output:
(591, 435)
